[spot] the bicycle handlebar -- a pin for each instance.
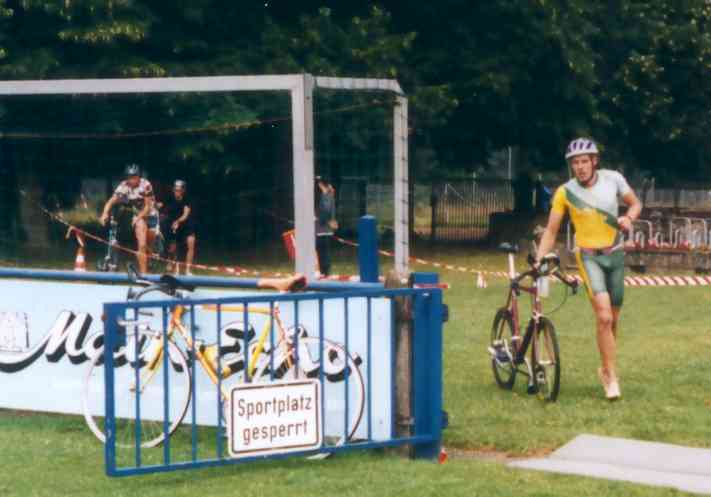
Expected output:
(535, 273)
(572, 283)
(167, 283)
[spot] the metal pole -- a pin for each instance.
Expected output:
(303, 146)
(400, 139)
(509, 163)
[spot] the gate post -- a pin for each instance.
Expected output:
(368, 250)
(427, 366)
(111, 315)
(402, 361)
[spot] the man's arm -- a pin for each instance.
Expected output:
(634, 209)
(549, 235)
(107, 208)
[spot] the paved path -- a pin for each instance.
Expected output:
(649, 463)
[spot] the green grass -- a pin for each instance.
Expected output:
(46, 455)
(664, 341)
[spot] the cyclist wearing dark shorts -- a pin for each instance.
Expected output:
(591, 200)
(179, 225)
(136, 193)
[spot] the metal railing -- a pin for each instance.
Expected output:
(167, 411)
(460, 209)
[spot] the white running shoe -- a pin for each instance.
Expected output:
(612, 387)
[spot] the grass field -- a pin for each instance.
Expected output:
(664, 346)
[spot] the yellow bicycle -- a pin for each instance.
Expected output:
(276, 353)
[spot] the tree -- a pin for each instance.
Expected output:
(657, 57)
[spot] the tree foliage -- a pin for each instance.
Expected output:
(480, 75)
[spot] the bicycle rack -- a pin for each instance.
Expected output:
(641, 233)
(699, 233)
(639, 240)
(679, 236)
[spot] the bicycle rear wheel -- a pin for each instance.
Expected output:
(545, 360)
(149, 398)
(502, 363)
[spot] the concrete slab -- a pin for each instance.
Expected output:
(648, 463)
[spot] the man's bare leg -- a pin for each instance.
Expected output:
(606, 328)
(615, 320)
(141, 231)
(291, 284)
(190, 242)
(171, 253)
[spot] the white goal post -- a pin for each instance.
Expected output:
(301, 87)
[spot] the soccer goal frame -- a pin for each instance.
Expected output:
(301, 88)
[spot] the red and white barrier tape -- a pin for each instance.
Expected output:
(667, 280)
(482, 273)
(656, 281)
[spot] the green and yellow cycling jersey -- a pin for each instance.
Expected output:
(593, 211)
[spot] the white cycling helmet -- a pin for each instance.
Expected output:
(581, 146)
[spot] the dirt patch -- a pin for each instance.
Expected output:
(492, 454)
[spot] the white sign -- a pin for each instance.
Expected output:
(14, 332)
(275, 418)
(50, 332)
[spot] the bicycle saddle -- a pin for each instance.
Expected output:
(174, 283)
(509, 248)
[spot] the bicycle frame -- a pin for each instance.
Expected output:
(175, 324)
(536, 313)
(507, 354)
(266, 329)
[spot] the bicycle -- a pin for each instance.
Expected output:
(508, 348)
(110, 262)
(295, 355)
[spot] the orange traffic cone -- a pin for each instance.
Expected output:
(80, 261)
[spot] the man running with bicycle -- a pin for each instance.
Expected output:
(591, 200)
(136, 193)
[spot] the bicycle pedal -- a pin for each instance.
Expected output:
(498, 354)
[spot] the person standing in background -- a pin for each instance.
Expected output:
(179, 226)
(326, 223)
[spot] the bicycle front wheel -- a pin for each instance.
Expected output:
(343, 384)
(502, 349)
(140, 392)
(546, 361)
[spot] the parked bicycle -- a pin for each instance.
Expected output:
(140, 381)
(508, 348)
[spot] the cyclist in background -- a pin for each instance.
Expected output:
(178, 225)
(136, 193)
(591, 200)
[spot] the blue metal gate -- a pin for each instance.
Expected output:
(162, 411)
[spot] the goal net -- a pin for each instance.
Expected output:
(248, 148)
